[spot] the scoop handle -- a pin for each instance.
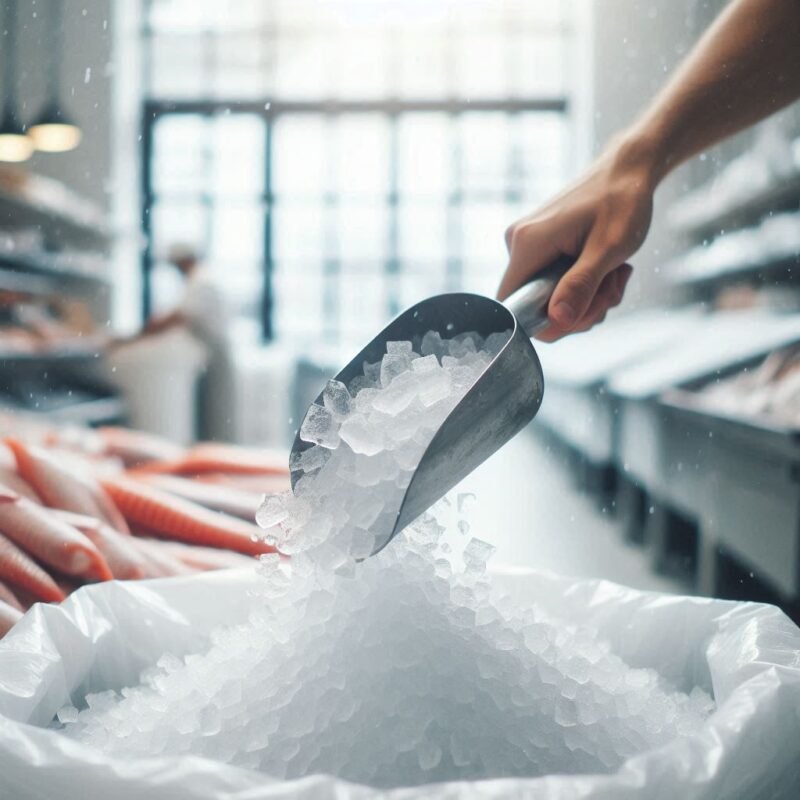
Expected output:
(529, 303)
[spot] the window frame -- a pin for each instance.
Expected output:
(271, 110)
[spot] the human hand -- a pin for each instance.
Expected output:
(601, 221)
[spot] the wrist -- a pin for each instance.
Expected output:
(638, 152)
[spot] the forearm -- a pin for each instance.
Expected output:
(163, 323)
(745, 67)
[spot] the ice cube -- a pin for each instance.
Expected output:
(313, 458)
(464, 500)
(434, 386)
(337, 399)
(477, 553)
(398, 396)
(425, 364)
(273, 510)
(362, 437)
(362, 543)
(432, 344)
(365, 402)
(399, 348)
(67, 714)
(460, 347)
(495, 342)
(392, 365)
(320, 427)
(372, 371)
(359, 383)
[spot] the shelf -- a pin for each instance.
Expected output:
(33, 200)
(784, 267)
(46, 271)
(24, 283)
(694, 216)
(769, 249)
(103, 411)
(66, 355)
(99, 411)
(715, 345)
(754, 431)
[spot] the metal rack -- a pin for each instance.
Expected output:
(63, 216)
(700, 491)
(746, 222)
(745, 492)
(60, 381)
(689, 219)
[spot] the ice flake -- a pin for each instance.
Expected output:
(319, 427)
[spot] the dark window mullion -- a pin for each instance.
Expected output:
(210, 201)
(455, 208)
(332, 266)
(516, 160)
(267, 295)
(392, 265)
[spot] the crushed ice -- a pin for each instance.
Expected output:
(403, 669)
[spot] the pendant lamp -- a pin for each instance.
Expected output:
(53, 131)
(15, 144)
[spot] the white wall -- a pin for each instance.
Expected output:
(126, 127)
(637, 45)
(100, 76)
(86, 81)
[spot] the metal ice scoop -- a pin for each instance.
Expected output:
(504, 398)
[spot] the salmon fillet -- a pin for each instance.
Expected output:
(175, 518)
(52, 541)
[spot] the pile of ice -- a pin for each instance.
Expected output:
(405, 668)
(366, 441)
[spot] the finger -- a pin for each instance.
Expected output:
(549, 334)
(609, 295)
(532, 249)
(509, 235)
(575, 291)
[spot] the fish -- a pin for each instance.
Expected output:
(64, 485)
(49, 539)
(124, 559)
(227, 458)
(256, 484)
(173, 517)
(9, 617)
(10, 478)
(162, 563)
(7, 459)
(18, 569)
(226, 499)
(135, 448)
(7, 596)
(206, 558)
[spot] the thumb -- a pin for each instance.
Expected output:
(532, 249)
(574, 293)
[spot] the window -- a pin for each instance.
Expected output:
(338, 161)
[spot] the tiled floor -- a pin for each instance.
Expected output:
(527, 506)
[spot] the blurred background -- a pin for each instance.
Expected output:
(207, 207)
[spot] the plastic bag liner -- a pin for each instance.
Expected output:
(103, 636)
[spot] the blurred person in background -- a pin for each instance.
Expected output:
(201, 312)
(746, 67)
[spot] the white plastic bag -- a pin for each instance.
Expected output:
(158, 377)
(104, 635)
